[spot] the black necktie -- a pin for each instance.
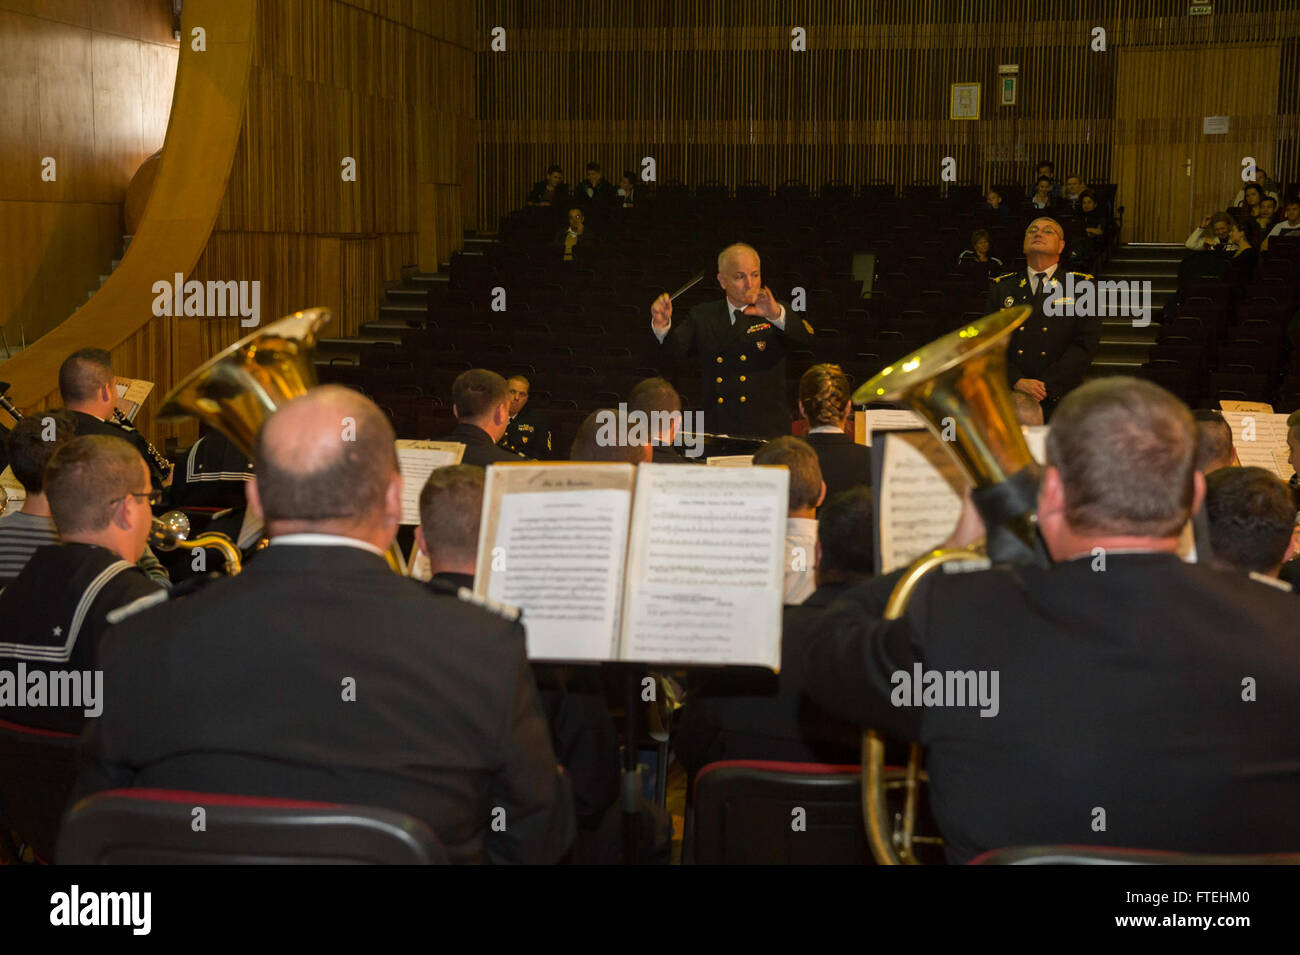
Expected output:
(740, 315)
(1039, 277)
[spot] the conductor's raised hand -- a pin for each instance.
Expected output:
(765, 304)
(661, 312)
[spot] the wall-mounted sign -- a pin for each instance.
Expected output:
(1007, 90)
(965, 101)
(1200, 9)
(1214, 125)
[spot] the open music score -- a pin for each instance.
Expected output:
(661, 564)
(417, 460)
(1259, 438)
(131, 394)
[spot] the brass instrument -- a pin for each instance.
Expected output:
(160, 460)
(958, 382)
(172, 531)
(236, 390)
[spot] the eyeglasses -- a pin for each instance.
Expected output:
(1034, 230)
(153, 497)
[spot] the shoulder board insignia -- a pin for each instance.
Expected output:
(1001, 277)
(465, 595)
(1083, 275)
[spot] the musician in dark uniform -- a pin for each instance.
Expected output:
(1112, 695)
(481, 402)
(742, 342)
(89, 390)
(1049, 354)
(320, 674)
(529, 432)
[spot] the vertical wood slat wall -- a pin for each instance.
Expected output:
(386, 82)
(712, 90)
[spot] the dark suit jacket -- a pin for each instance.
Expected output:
(479, 447)
(1120, 689)
(89, 424)
(844, 462)
(538, 193)
(742, 367)
(1057, 350)
(529, 434)
(240, 689)
(752, 713)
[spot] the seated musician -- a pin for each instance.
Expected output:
(748, 713)
(53, 615)
(1251, 517)
(320, 674)
(807, 491)
(1108, 700)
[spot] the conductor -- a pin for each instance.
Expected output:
(741, 342)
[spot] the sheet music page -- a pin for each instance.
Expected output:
(887, 419)
(920, 496)
(131, 394)
(1260, 441)
(730, 461)
(417, 460)
(706, 566)
(553, 542)
(1229, 405)
(17, 494)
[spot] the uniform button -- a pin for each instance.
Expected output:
(719, 381)
(742, 357)
(719, 359)
(1043, 353)
(1044, 328)
(742, 399)
(1020, 351)
(719, 401)
(742, 377)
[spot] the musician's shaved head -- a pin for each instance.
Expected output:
(326, 463)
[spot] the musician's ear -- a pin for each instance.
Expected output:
(254, 499)
(822, 496)
(420, 542)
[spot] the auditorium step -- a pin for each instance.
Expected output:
(1124, 345)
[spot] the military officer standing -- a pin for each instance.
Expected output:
(742, 342)
(1050, 353)
(529, 431)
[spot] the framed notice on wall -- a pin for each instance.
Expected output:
(965, 101)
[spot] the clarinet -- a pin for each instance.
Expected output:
(7, 405)
(160, 462)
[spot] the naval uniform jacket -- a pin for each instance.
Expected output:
(1057, 350)
(742, 367)
(529, 434)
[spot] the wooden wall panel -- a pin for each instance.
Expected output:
(712, 89)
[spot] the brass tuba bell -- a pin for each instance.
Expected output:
(957, 384)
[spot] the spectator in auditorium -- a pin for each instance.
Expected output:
(54, 613)
(742, 366)
(978, 253)
(89, 390)
(23, 531)
(598, 440)
(1043, 199)
(1028, 411)
(1120, 483)
(1072, 194)
(1251, 516)
(747, 713)
(825, 402)
(1289, 224)
(480, 399)
(549, 191)
(1249, 206)
(1212, 235)
(319, 674)
(1263, 182)
(1246, 237)
(596, 190)
(1093, 242)
(657, 402)
(572, 241)
(993, 208)
(807, 491)
(627, 194)
(1214, 448)
(1049, 354)
(1045, 171)
(528, 433)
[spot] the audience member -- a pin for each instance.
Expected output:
(746, 713)
(825, 402)
(528, 433)
(627, 193)
(1246, 237)
(1045, 171)
(1072, 193)
(54, 613)
(481, 402)
(978, 253)
(1267, 214)
(319, 674)
(1248, 207)
(1289, 224)
(1214, 448)
(807, 491)
(572, 240)
(1043, 199)
(1251, 516)
(1149, 632)
(596, 189)
(657, 402)
(89, 390)
(1263, 182)
(993, 208)
(1212, 235)
(549, 191)
(30, 445)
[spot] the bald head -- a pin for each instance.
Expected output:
(326, 463)
(740, 273)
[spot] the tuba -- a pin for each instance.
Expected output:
(958, 382)
(237, 390)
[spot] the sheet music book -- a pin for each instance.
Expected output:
(1260, 441)
(657, 564)
(1229, 405)
(730, 461)
(419, 459)
(131, 394)
(15, 492)
(883, 419)
(918, 490)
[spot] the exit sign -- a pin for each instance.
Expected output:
(1200, 9)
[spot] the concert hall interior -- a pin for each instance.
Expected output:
(656, 433)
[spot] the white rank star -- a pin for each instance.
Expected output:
(58, 631)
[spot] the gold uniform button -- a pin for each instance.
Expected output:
(1043, 353)
(742, 399)
(1020, 351)
(719, 401)
(1044, 328)
(719, 381)
(742, 357)
(742, 377)
(719, 359)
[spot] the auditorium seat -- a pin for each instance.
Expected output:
(156, 827)
(1091, 855)
(37, 770)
